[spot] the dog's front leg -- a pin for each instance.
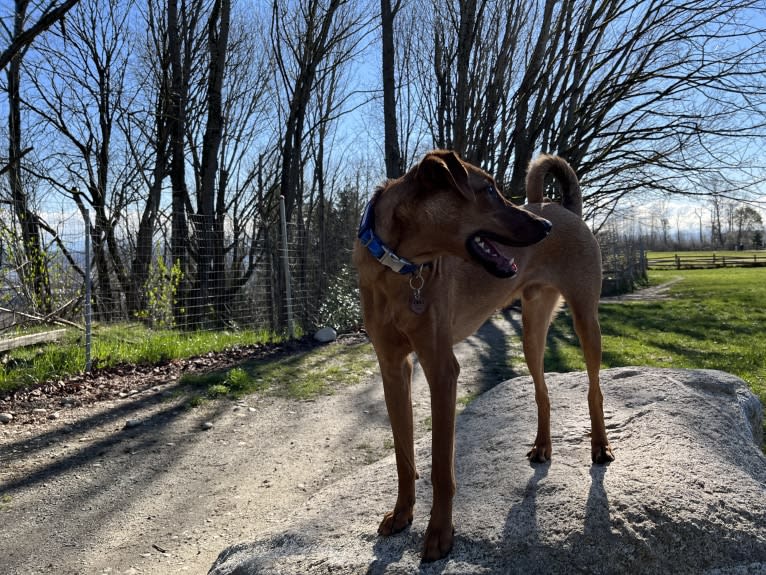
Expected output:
(441, 373)
(397, 377)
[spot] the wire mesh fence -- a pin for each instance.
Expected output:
(624, 263)
(74, 268)
(262, 277)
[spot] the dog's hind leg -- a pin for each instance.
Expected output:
(537, 307)
(396, 370)
(585, 318)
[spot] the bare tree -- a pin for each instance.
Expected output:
(394, 165)
(746, 220)
(34, 270)
(148, 139)
(636, 95)
(406, 108)
(411, 104)
(470, 63)
(179, 25)
(302, 38)
(699, 213)
(644, 104)
(21, 37)
(310, 40)
(209, 282)
(532, 105)
(78, 91)
(213, 142)
(315, 216)
(716, 211)
(245, 143)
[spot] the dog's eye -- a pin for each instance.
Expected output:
(490, 190)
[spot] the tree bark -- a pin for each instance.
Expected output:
(209, 284)
(180, 193)
(523, 143)
(394, 165)
(34, 271)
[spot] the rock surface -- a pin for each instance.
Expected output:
(326, 335)
(686, 494)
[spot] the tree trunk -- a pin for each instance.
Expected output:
(463, 88)
(523, 144)
(180, 194)
(394, 167)
(34, 272)
(207, 282)
(142, 259)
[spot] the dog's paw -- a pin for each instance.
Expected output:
(602, 454)
(438, 542)
(395, 521)
(540, 453)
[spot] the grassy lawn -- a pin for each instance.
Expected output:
(715, 319)
(301, 375)
(113, 345)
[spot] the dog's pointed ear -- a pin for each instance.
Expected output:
(442, 169)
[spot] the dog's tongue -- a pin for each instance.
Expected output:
(509, 266)
(505, 264)
(491, 253)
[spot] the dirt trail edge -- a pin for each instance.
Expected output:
(141, 484)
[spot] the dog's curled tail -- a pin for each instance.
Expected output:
(560, 168)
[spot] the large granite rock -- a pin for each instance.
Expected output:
(686, 494)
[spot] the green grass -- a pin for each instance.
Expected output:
(134, 343)
(113, 345)
(34, 364)
(465, 400)
(299, 376)
(715, 319)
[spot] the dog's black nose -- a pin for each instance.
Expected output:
(547, 226)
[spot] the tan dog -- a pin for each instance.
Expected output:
(431, 271)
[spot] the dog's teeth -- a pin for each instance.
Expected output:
(484, 247)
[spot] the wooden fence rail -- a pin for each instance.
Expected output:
(32, 339)
(681, 261)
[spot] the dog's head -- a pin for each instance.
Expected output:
(459, 208)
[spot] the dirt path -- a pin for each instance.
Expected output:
(89, 493)
(652, 293)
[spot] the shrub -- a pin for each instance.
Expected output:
(341, 308)
(161, 288)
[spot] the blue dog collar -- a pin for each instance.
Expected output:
(378, 249)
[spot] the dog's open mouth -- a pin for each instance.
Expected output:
(483, 250)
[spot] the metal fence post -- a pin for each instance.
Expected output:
(88, 309)
(286, 266)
